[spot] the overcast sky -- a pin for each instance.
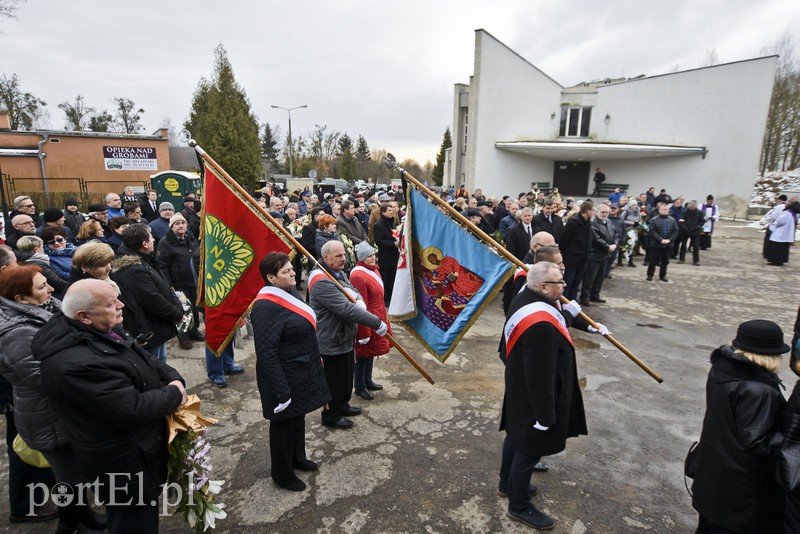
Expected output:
(384, 70)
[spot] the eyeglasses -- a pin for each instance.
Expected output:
(561, 282)
(58, 240)
(26, 205)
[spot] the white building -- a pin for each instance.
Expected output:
(694, 133)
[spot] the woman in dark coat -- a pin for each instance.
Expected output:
(734, 488)
(790, 453)
(388, 253)
(26, 304)
(288, 368)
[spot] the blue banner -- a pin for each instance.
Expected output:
(454, 276)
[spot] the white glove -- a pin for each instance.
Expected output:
(382, 329)
(279, 408)
(361, 304)
(363, 341)
(537, 426)
(602, 330)
(572, 307)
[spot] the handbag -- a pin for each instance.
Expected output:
(28, 455)
(690, 465)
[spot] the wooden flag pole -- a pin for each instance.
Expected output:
(208, 159)
(391, 162)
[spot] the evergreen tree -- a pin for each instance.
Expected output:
(223, 124)
(345, 143)
(269, 146)
(362, 149)
(347, 165)
(438, 171)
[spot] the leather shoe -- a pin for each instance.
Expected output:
(219, 382)
(294, 485)
(235, 370)
(185, 343)
(305, 465)
(342, 423)
(533, 518)
(532, 490)
(598, 299)
(374, 387)
(352, 411)
(585, 302)
(664, 279)
(364, 394)
(196, 336)
(541, 467)
(92, 520)
(649, 278)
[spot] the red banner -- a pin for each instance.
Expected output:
(235, 238)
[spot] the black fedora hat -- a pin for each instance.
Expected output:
(760, 337)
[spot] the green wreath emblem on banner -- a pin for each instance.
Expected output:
(227, 257)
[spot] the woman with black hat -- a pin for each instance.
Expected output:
(734, 488)
(790, 452)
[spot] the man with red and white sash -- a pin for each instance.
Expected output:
(336, 332)
(543, 405)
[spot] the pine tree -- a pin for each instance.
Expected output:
(223, 124)
(269, 145)
(347, 165)
(362, 149)
(438, 171)
(345, 143)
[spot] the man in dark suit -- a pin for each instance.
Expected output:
(547, 221)
(519, 235)
(150, 206)
(542, 405)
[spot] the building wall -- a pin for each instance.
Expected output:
(722, 108)
(76, 156)
(510, 100)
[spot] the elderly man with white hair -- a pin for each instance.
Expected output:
(542, 405)
(23, 225)
(113, 398)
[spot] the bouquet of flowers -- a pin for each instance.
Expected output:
(190, 466)
(297, 225)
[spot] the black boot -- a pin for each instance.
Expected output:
(91, 519)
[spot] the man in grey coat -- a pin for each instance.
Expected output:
(336, 330)
(603, 244)
(348, 224)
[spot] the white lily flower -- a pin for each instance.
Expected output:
(191, 518)
(212, 513)
(214, 486)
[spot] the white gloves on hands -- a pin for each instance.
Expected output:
(382, 329)
(603, 330)
(363, 341)
(572, 307)
(537, 426)
(361, 304)
(279, 408)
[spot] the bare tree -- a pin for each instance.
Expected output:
(78, 114)
(781, 145)
(127, 118)
(8, 8)
(24, 110)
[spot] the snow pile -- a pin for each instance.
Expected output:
(767, 189)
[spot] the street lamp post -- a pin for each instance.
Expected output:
(291, 156)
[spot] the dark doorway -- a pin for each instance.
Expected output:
(571, 177)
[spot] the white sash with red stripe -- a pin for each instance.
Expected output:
(315, 276)
(375, 276)
(288, 301)
(529, 315)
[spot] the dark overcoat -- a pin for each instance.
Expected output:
(288, 363)
(735, 486)
(541, 385)
(114, 399)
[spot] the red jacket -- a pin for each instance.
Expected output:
(372, 292)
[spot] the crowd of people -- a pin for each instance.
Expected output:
(94, 296)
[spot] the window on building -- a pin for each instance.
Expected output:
(575, 121)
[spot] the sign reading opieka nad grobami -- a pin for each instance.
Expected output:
(129, 158)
